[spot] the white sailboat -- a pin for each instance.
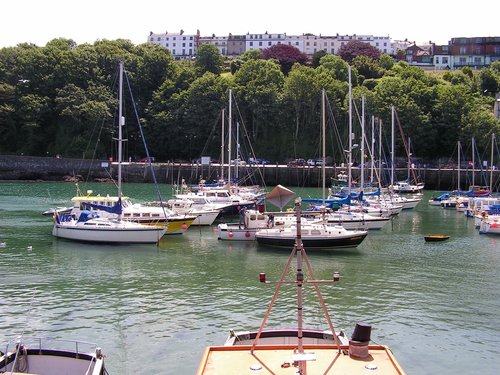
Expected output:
(89, 226)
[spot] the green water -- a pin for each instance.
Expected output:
(153, 309)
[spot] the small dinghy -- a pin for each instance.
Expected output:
(436, 237)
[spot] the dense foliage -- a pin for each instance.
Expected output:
(62, 99)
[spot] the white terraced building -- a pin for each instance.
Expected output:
(184, 45)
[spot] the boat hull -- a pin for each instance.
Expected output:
(317, 242)
(108, 235)
(436, 238)
(228, 232)
(36, 358)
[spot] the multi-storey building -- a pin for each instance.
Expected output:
(235, 45)
(474, 52)
(295, 41)
(441, 58)
(263, 41)
(180, 45)
(218, 41)
(460, 52)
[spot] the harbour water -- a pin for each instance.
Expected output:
(153, 309)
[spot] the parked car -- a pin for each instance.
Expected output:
(315, 162)
(238, 162)
(296, 162)
(259, 161)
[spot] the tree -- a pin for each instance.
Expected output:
(336, 66)
(357, 48)
(286, 55)
(317, 57)
(302, 91)
(367, 67)
(208, 59)
(386, 61)
(259, 83)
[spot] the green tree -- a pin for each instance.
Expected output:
(259, 84)
(367, 67)
(208, 59)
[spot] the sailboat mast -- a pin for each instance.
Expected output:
(458, 166)
(409, 158)
(222, 149)
(491, 163)
(372, 151)
(392, 147)
(323, 131)
(349, 151)
(229, 138)
(362, 142)
(121, 123)
(380, 154)
(473, 162)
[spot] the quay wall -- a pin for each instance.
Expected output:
(34, 168)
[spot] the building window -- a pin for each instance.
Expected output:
(478, 50)
(269, 43)
(437, 59)
(463, 50)
(174, 45)
(462, 60)
(445, 60)
(251, 44)
(260, 44)
(477, 61)
(158, 39)
(184, 44)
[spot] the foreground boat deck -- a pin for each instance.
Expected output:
(273, 359)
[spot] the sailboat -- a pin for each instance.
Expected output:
(299, 350)
(90, 226)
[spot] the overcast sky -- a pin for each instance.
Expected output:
(39, 21)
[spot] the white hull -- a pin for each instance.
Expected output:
(37, 358)
(232, 232)
(108, 231)
(204, 218)
(490, 225)
(355, 221)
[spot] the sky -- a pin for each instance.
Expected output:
(39, 21)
